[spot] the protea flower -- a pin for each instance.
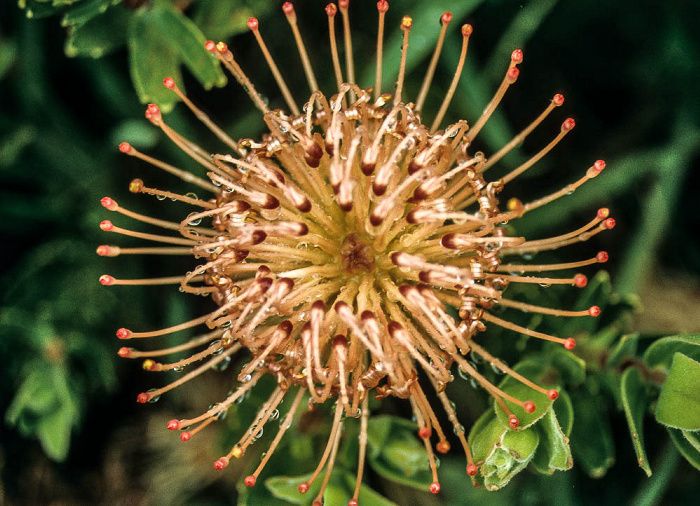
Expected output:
(351, 250)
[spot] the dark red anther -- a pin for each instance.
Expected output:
(210, 46)
(570, 343)
(343, 4)
(552, 394)
(472, 470)
(529, 407)
(143, 398)
(558, 99)
(288, 8)
(185, 436)
(221, 463)
(512, 74)
(249, 480)
(424, 432)
(513, 422)
(609, 223)
(443, 446)
(568, 125)
(303, 487)
(352, 502)
(602, 257)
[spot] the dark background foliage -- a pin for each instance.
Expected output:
(72, 432)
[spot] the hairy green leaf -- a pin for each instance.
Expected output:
(635, 402)
(679, 402)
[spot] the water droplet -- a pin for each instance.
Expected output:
(160, 197)
(223, 365)
(274, 415)
(458, 429)
(154, 399)
(463, 374)
(179, 368)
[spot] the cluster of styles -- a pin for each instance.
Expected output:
(351, 250)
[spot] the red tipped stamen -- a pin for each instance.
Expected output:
(558, 99)
(570, 343)
(609, 223)
(125, 147)
(517, 56)
(143, 398)
(331, 10)
(124, 352)
(594, 311)
(221, 463)
(210, 46)
(443, 446)
(169, 83)
(173, 425)
(529, 407)
(599, 165)
(603, 213)
(472, 470)
(424, 433)
(435, 488)
(123, 333)
(568, 125)
(106, 225)
(553, 394)
(602, 257)
(580, 280)
(106, 279)
(249, 481)
(513, 422)
(446, 18)
(185, 436)
(303, 488)
(382, 6)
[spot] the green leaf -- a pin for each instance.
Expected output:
(395, 452)
(286, 487)
(626, 347)
(684, 446)
(679, 401)
(591, 438)
(99, 35)
(553, 452)
(220, 20)
(54, 431)
(85, 11)
(564, 410)
(8, 56)
(571, 367)
(635, 402)
(531, 370)
(661, 351)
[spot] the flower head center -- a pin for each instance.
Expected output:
(355, 255)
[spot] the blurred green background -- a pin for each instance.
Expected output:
(72, 433)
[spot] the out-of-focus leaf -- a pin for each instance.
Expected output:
(553, 452)
(12, 146)
(634, 402)
(100, 35)
(660, 353)
(8, 56)
(691, 454)
(287, 488)
(679, 401)
(626, 347)
(395, 452)
(85, 11)
(571, 367)
(591, 438)
(531, 370)
(136, 132)
(564, 410)
(35, 9)
(220, 20)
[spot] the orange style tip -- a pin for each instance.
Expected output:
(343, 4)
(123, 333)
(552, 394)
(253, 23)
(317, 502)
(125, 147)
(136, 186)
(568, 125)
(424, 433)
(446, 18)
(406, 22)
(435, 488)
(143, 398)
(106, 279)
(153, 109)
(580, 280)
(250, 480)
(609, 223)
(148, 364)
(512, 74)
(603, 213)
(185, 436)
(517, 56)
(472, 470)
(221, 47)
(106, 225)
(467, 30)
(352, 502)
(102, 250)
(109, 203)
(124, 352)
(221, 463)
(570, 343)
(173, 425)
(237, 452)
(210, 46)
(303, 488)
(288, 8)
(599, 165)
(443, 446)
(558, 99)
(594, 311)
(529, 407)
(602, 257)
(382, 6)
(331, 10)
(513, 422)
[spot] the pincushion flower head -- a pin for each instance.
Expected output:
(355, 250)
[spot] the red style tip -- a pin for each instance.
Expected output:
(382, 6)
(303, 488)
(446, 18)
(580, 280)
(106, 279)
(472, 470)
(467, 30)
(210, 46)
(602, 257)
(125, 147)
(185, 436)
(512, 74)
(568, 125)
(143, 398)
(331, 10)
(603, 213)
(435, 487)
(108, 203)
(517, 56)
(288, 8)
(594, 311)
(169, 83)
(513, 422)
(253, 23)
(599, 165)
(106, 225)
(443, 446)
(124, 352)
(250, 480)
(173, 425)
(529, 407)
(424, 433)
(123, 333)
(609, 223)
(343, 4)
(102, 250)
(352, 502)
(552, 394)
(558, 99)
(221, 463)
(570, 343)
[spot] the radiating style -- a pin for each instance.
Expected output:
(356, 247)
